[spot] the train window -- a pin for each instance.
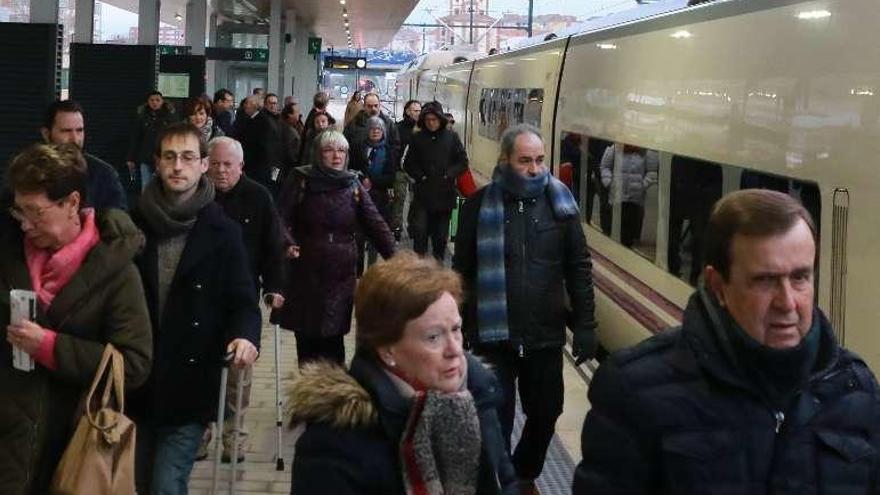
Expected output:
(571, 163)
(695, 186)
(630, 174)
(806, 192)
(503, 107)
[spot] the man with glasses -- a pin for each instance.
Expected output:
(63, 123)
(224, 103)
(203, 305)
(522, 254)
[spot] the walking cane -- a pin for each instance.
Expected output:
(221, 411)
(239, 391)
(279, 461)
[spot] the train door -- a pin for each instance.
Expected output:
(242, 80)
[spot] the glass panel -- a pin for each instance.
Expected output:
(597, 208)
(172, 24)
(806, 192)
(15, 11)
(115, 25)
(631, 174)
(695, 186)
(67, 17)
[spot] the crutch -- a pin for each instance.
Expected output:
(279, 461)
(221, 411)
(239, 391)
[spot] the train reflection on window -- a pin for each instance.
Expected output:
(501, 108)
(618, 187)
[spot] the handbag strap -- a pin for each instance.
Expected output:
(115, 381)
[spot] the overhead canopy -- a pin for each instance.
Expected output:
(373, 22)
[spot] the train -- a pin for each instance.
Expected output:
(723, 95)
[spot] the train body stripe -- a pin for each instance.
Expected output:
(669, 307)
(641, 313)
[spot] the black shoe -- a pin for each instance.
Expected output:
(226, 458)
(201, 457)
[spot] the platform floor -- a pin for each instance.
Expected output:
(258, 475)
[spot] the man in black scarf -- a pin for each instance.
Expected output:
(203, 305)
(752, 394)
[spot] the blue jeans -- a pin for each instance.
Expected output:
(164, 457)
(147, 174)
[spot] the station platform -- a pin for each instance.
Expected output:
(258, 475)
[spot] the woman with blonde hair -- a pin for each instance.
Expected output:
(415, 413)
(354, 107)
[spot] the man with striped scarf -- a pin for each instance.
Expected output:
(523, 256)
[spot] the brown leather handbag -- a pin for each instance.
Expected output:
(100, 457)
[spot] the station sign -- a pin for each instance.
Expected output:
(237, 54)
(314, 46)
(174, 50)
(345, 62)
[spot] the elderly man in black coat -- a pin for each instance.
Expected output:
(752, 394)
(203, 304)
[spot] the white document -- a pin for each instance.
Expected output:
(22, 306)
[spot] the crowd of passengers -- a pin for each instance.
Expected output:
(234, 209)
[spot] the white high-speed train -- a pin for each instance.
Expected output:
(724, 95)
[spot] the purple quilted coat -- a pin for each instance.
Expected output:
(322, 217)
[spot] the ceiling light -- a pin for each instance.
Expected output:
(606, 46)
(345, 14)
(341, 2)
(682, 34)
(813, 14)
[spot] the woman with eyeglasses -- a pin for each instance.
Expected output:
(78, 262)
(323, 206)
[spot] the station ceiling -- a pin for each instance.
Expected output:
(373, 22)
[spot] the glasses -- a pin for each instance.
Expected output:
(334, 150)
(187, 157)
(32, 215)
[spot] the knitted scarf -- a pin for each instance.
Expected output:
(491, 276)
(167, 218)
(50, 272)
(376, 155)
(440, 446)
(207, 129)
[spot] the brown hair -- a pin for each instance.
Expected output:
(754, 213)
(56, 169)
(195, 103)
(181, 129)
(395, 291)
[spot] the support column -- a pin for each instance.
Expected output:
(274, 47)
(148, 22)
(84, 24)
(44, 11)
(196, 19)
(291, 49)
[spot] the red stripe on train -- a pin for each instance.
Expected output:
(642, 288)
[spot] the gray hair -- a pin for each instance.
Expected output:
(375, 122)
(508, 139)
(226, 141)
(332, 137)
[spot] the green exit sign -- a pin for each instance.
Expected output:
(314, 46)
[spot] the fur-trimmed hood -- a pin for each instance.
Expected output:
(325, 392)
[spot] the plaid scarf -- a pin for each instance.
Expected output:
(491, 276)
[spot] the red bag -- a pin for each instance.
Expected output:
(465, 184)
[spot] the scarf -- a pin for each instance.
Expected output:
(491, 276)
(440, 446)
(49, 271)
(377, 153)
(169, 219)
(324, 179)
(207, 129)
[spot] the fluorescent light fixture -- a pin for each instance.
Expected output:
(808, 15)
(682, 34)
(606, 46)
(341, 2)
(344, 14)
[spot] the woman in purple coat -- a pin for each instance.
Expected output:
(323, 206)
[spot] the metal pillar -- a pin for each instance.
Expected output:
(196, 15)
(148, 22)
(84, 24)
(291, 49)
(531, 15)
(274, 47)
(44, 11)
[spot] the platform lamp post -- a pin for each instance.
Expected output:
(531, 14)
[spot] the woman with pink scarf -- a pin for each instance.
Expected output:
(78, 262)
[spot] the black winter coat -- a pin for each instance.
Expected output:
(260, 139)
(546, 262)
(674, 415)
(345, 455)
(145, 130)
(252, 208)
(405, 129)
(434, 161)
(103, 189)
(323, 222)
(211, 302)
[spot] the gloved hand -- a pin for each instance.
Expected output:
(583, 346)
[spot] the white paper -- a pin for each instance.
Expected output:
(22, 306)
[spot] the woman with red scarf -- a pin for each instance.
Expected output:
(414, 414)
(78, 262)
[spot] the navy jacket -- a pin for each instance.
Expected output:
(103, 188)
(211, 302)
(675, 415)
